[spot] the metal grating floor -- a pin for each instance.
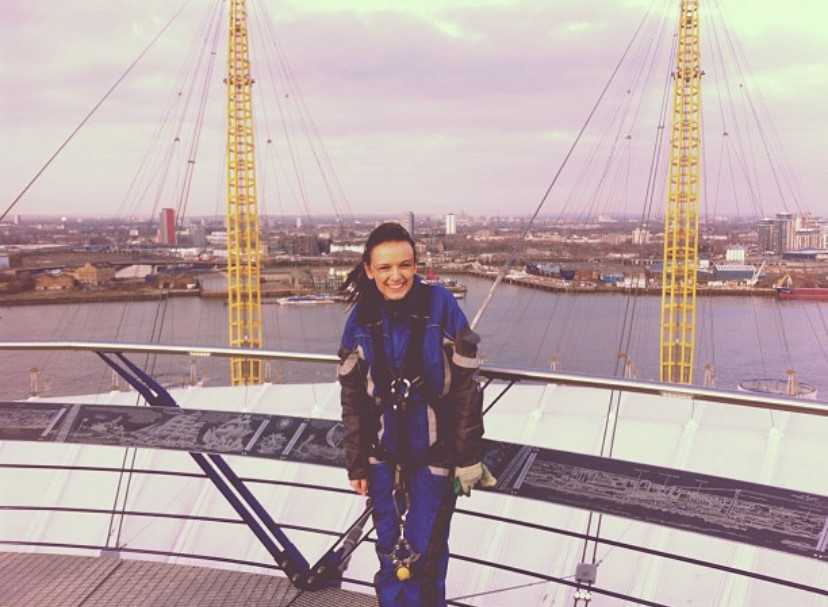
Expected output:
(49, 580)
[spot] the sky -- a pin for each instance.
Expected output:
(430, 106)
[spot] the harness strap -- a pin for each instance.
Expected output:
(395, 386)
(399, 382)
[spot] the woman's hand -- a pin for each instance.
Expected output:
(360, 485)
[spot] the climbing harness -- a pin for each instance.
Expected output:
(401, 384)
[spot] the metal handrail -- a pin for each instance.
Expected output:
(724, 397)
(194, 351)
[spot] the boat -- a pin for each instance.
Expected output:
(802, 293)
(550, 271)
(305, 300)
(785, 290)
(455, 287)
(776, 386)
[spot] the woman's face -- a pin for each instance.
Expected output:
(392, 268)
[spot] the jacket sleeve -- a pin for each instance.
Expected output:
(352, 376)
(467, 396)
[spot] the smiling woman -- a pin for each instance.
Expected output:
(411, 409)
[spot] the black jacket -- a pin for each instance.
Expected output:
(449, 368)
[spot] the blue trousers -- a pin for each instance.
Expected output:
(427, 528)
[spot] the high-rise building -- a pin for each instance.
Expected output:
(407, 222)
(451, 224)
(166, 227)
(768, 230)
(787, 232)
(198, 234)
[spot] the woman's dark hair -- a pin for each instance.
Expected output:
(357, 285)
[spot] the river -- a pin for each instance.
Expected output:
(742, 337)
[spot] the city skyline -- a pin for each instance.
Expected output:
(462, 106)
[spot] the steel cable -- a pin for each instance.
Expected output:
(124, 208)
(628, 320)
(557, 175)
(192, 155)
(92, 111)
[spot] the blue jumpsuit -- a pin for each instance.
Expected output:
(424, 436)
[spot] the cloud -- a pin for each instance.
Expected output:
(426, 103)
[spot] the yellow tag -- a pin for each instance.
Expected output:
(403, 573)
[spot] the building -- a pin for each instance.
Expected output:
(768, 230)
(347, 247)
(305, 245)
(407, 222)
(641, 235)
(807, 238)
(198, 235)
(806, 255)
(93, 276)
(735, 255)
(54, 281)
(166, 227)
(451, 224)
(734, 272)
(136, 272)
(787, 230)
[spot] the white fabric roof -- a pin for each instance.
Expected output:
(781, 449)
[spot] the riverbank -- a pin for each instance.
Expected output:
(531, 282)
(29, 298)
(553, 285)
(266, 295)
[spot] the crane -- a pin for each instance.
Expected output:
(757, 274)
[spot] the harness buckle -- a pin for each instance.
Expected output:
(401, 388)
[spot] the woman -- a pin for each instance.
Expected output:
(411, 408)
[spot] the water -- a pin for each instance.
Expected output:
(742, 337)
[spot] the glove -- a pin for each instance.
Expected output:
(466, 342)
(466, 477)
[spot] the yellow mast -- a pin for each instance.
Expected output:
(681, 218)
(244, 303)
